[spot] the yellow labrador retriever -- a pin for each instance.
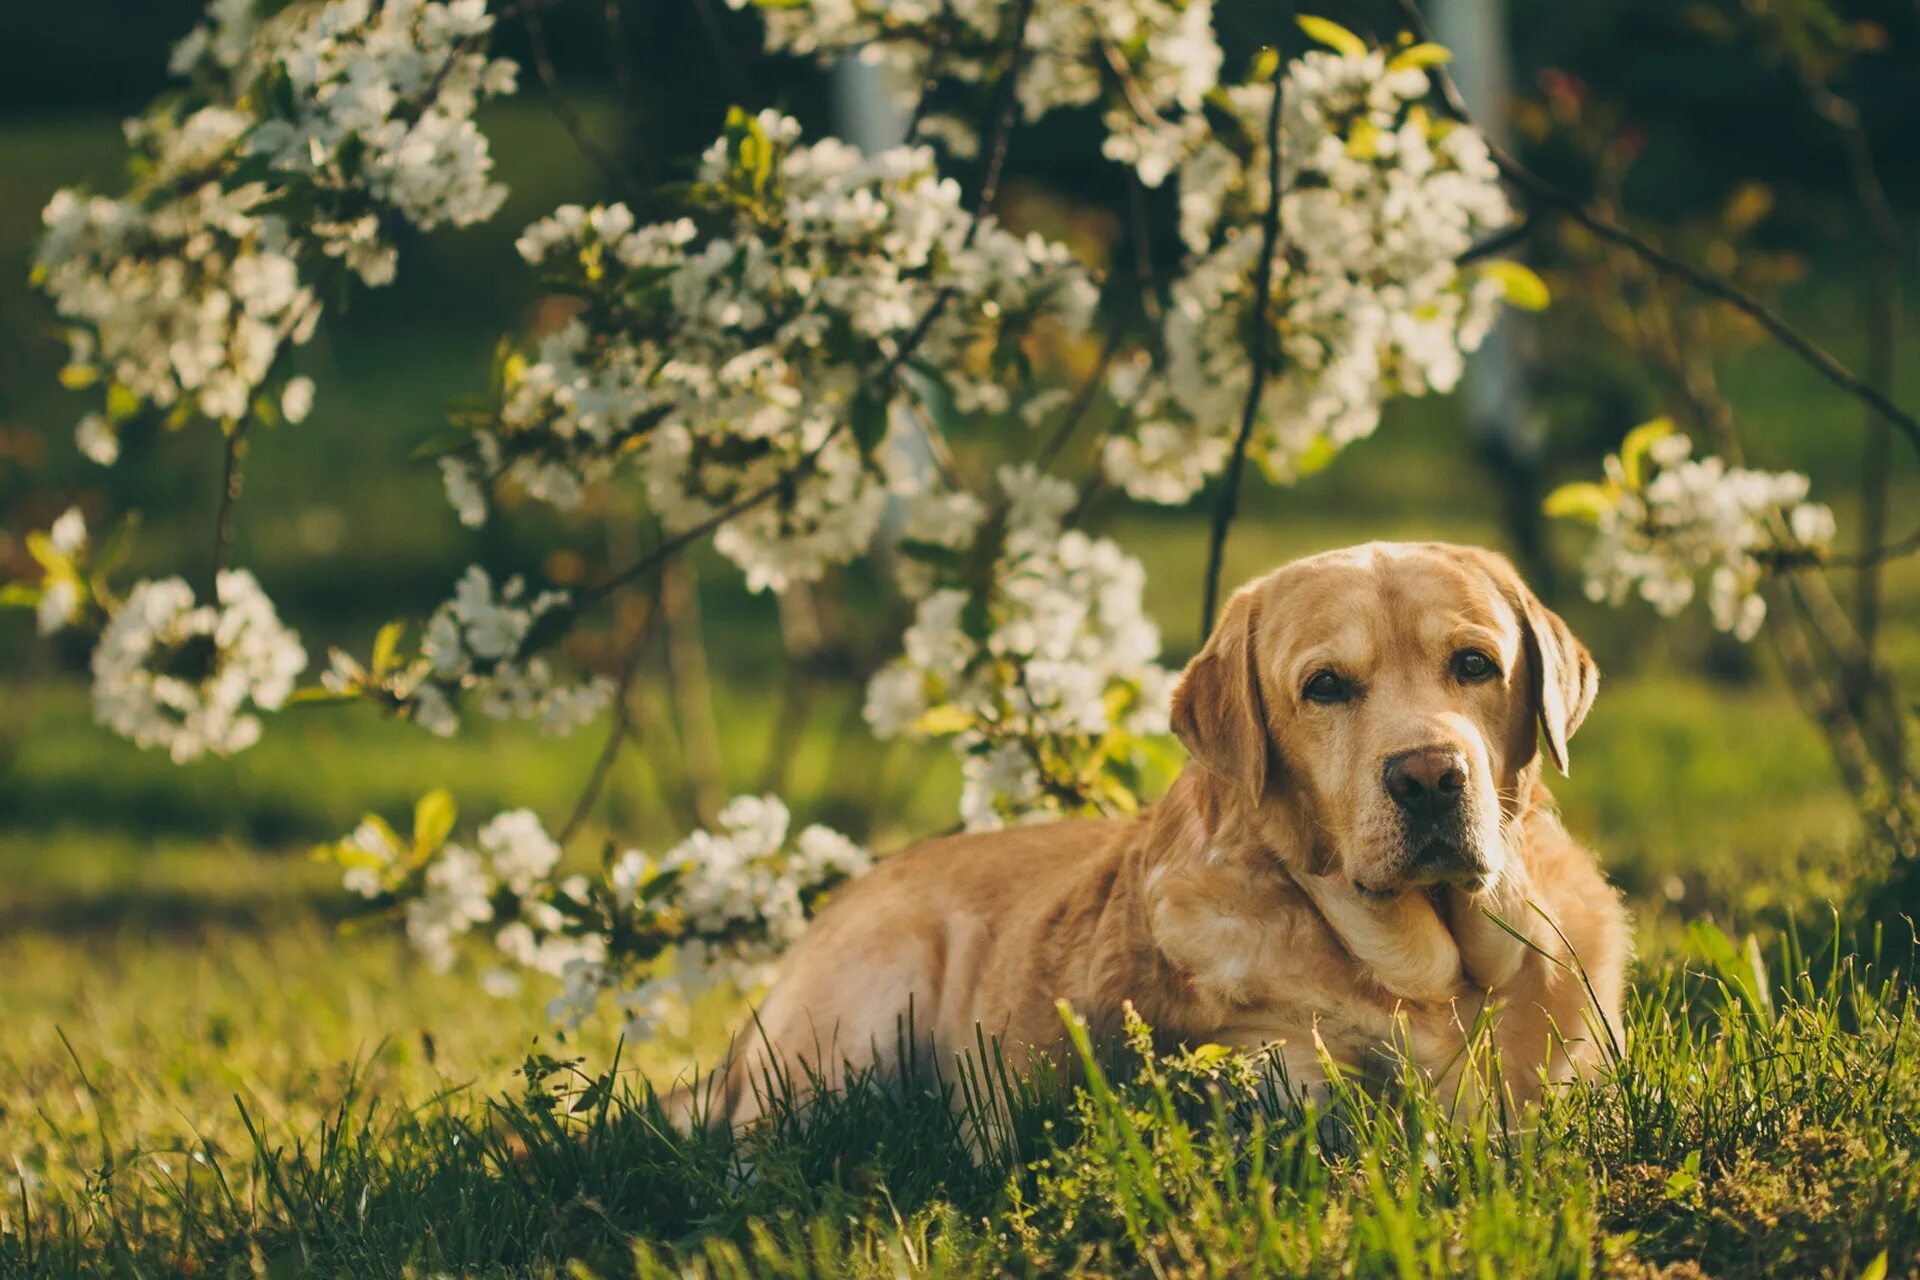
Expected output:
(1364, 798)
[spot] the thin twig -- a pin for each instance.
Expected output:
(623, 80)
(1006, 99)
(1140, 232)
(563, 111)
(723, 53)
(633, 140)
(1883, 325)
(691, 685)
(231, 479)
(618, 732)
(1089, 392)
(1545, 193)
(1495, 245)
(1866, 557)
(931, 80)
(1225, 508)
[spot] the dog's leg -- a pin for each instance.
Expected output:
(1485, 924)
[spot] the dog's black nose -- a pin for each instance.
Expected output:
(1426, 782)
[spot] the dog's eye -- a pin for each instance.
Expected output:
(1472, 665)
(1327, 686)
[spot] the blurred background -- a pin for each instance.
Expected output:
(138, 898)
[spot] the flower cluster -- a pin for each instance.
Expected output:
(1667, 521)
(717, 908)
(1379, 199)
(723, 905)
(173, 674)
(1149, 64)
(480, 642)
(764, 348)
(299, 139)
(65, 593)
(1029, 650)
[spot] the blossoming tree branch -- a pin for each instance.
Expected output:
(772, 366)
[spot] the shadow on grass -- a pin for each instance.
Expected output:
(170, 912)
(156, 808)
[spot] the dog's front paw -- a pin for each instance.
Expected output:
(1494, 931)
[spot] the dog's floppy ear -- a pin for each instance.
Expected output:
(1565, 679)
(1218, 713)
(1563, 676)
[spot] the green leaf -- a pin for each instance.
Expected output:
(433, 818)
(1266, 65)
(1315, 458)
(1117, 794)
(1581, 500)
(943, 720)
(386, 647)
(117, 546)
(78, 377)
(867, 415)
(380, 824)
(19, 594)
(1363, 140)
(1682, 1182)
(1209, 1055)
(1877, 1269)
(1333, 35)
(41, 548)
(1420, 56)
(1522, 286)
(1633, 449)
(442, 442)
(122, 403)
(1739, 969)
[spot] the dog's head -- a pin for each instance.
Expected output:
(1379, 711)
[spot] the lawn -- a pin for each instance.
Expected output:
(208, 1069)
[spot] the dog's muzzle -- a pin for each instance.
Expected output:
(1428, 786)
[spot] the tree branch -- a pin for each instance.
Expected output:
(231, 480)
(563, 111)
(1544, 193)
(931, 80)
(618, 732)
(1005, 101)
(723, 52)
(1226, 507)
(1089, 392)
(1495, 245)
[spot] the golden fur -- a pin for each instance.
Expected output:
(1272, 895)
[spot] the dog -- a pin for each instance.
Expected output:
(1359, 866)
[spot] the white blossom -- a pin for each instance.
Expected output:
(1047, 682)
(1669, 523)
(173, 674)
(62, 552)
(184, 293)
(1381, 198)
(456, 895)
(718, 908)
(1148, 64)
(519, 849)
(376, 850)
(474, 642)
(722, 360)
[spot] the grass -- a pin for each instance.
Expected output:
(1743, 1133)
